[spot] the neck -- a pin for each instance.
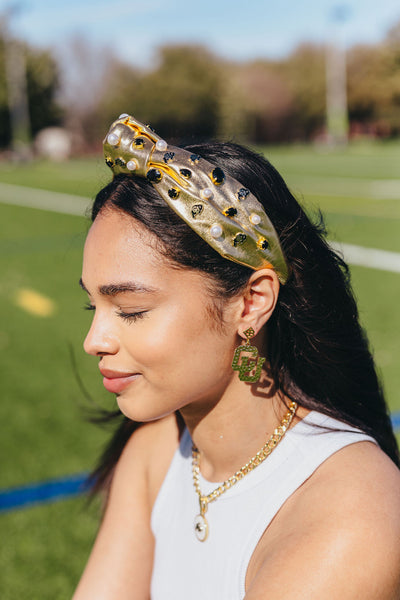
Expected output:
(229, 431)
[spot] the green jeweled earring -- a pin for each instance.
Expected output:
(248, 363)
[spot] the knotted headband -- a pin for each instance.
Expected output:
(216, 206)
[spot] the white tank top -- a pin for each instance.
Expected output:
(185, 568)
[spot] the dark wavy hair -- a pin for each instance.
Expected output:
(318, 354)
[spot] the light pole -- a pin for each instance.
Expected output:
(17, 94)
(336, 81)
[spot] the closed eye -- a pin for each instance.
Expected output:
(131, 317)
(126, 316)
(89, 306)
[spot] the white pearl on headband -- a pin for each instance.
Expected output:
(161, 145)
(255, 219)
(123, 116)
(113, 139)
(131, 165)
(207, 193)
(216, 231)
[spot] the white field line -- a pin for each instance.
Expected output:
(346, 187)
(77, 205)
(43, 199)
(368, 257)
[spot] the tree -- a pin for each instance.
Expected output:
(180, 98)
(374, 87)
(304, 71)
(91, 80)
(118, 89)
(257, 102)
(5, 126)
(42, 85)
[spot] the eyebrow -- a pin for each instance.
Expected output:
(113, 289)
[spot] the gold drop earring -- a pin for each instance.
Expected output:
(248, 363)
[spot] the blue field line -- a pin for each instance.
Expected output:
(45, 491)
(66, 487)
(396, 420)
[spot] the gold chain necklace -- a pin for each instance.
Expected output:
(201, 526)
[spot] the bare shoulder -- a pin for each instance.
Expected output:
(340, 532)
(124, 547)
(359, 483)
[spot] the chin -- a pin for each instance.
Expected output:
(142, 411)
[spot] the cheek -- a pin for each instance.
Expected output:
(156, 336)
(182, 347)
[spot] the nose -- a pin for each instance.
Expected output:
(100, 340)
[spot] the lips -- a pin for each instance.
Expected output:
(117, 381)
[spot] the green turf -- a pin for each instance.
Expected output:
(45, 548)
(360, 160)
(44, 432)
(79, 177)
(377, 292)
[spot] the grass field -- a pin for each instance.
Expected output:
(44, 432)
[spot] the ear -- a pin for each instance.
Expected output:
(259, 300)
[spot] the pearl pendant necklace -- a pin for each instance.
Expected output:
(201, 527)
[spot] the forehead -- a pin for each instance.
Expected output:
(113, 228)
(118, 242)
(119, 249)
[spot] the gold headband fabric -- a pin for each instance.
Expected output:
(216, 206)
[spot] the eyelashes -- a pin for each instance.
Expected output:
(131, 317)
(125, 316)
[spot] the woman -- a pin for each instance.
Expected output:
(265, 464)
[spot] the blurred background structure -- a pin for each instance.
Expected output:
(314, 85)
(287, 73)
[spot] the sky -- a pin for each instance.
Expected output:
(233, 29)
